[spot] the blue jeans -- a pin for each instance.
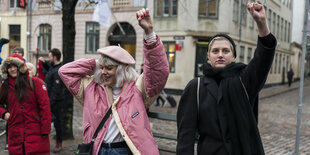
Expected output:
(115, 151)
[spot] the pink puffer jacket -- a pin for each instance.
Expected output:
(129, 110)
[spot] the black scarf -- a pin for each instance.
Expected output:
(242, 125)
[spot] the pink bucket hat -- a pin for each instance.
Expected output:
(117, 53)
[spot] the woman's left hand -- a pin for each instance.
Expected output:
(145, 20)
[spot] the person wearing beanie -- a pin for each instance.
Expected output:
(28, 109)
(220, 109)
(116, 85)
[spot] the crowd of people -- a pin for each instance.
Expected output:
(220, 107)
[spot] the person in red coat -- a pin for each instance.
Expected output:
(40, 71)
(28, 114)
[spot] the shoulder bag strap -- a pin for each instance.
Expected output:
(106, 116)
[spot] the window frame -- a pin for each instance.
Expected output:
(12, 7)
(250, 52)
(244, 13)
(94, 36)
(281, 30)
(45, 38)
(171, 8)
(172, 66)
(242, 54)
(269, 18)
(236, 11)
(207, 15)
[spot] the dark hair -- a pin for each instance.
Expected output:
(20, 85)
(19, 49)
(56, 53)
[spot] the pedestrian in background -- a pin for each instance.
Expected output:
(224, 112)
(290, 75)
(3, 41)
(41, 71)
(117, 85)
(28, 114)
(31, 69)
(56, 90)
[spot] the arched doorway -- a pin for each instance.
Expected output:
(127, 41)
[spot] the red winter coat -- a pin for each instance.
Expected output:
(28, 120)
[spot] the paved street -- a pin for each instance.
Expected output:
(277, 123)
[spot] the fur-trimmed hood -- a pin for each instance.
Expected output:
(16, 60)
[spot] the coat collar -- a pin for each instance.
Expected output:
(213, 88)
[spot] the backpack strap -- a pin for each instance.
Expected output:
(198, 87)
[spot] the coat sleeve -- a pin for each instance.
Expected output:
(74, 75)
(255, 74)
(156, 68)
(46, 66)
(2, 109)
(187, 119)
(44, 105)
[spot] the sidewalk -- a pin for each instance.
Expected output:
(279, 89)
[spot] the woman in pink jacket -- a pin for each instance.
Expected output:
(116, 84)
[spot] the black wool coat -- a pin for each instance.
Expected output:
(55, 87)
(211, 121)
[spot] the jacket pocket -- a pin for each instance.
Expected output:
(36, 117)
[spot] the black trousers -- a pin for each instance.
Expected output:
(58, 111)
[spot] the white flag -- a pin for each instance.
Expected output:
(102, 13)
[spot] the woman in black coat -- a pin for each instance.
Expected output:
(226, 115)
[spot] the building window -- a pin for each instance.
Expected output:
(249, 54)
(92, 37)
(274, 23)
(281, 31)
(279, 65)
(269, 18)
(241, 56)
(276, 63)
(285, 31)
(208, 8)
(170, 51)
(244, 12)
(166, 8)
(14, 35)
(45, 38)
(12, 2)
(236, 11)
(287, 64)
(278, 27)
(289, 32)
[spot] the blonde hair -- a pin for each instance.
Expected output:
(31, 68)
(124, 72)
